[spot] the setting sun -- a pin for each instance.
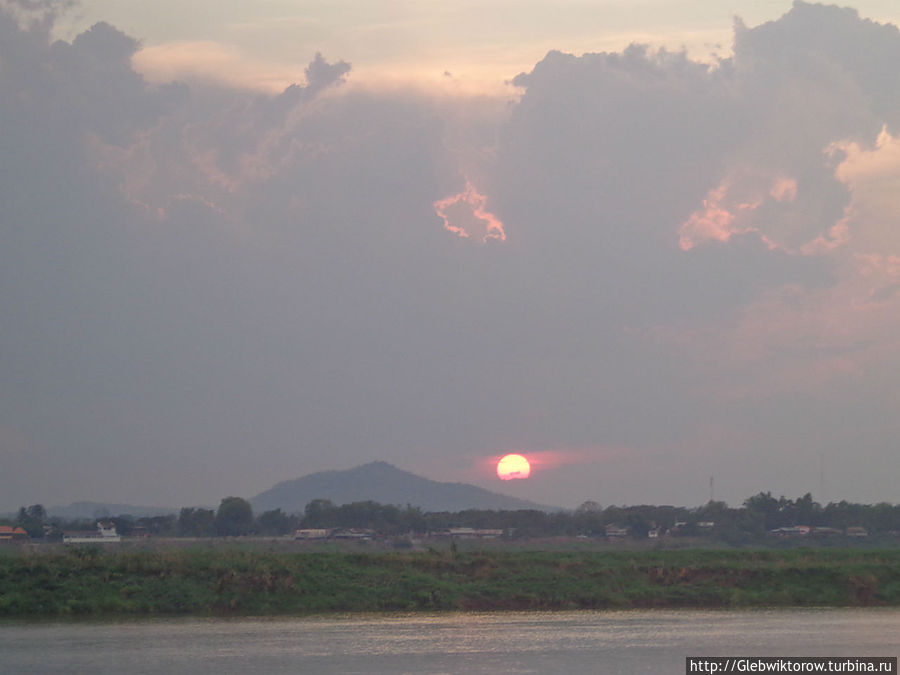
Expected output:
(511, 467)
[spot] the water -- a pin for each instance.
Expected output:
(565, 642)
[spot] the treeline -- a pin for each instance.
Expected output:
(759, 515)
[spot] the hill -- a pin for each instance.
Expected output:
(384, 483)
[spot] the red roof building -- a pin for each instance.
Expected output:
(9, 533)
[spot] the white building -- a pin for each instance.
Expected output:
(106, 534)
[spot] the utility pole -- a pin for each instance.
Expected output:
(822, 478)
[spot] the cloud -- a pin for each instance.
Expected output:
(784, 189)
(207, 62)
(613, 162)
(716, 221)
(218, 287)
(730, 210)
(873, 176)
(478, 222)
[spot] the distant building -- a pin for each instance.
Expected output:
(857, 532)
(825, 531)
(318, 534)
(792, 531)
(353, 533)
(616, 532)
(9, 533)
(677, 530)
(488, 533)
(469, 533)
(105, 534)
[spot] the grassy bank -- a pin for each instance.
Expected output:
(89, 582)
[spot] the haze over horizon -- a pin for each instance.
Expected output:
(454, 236)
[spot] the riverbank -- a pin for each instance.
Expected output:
(85, 581)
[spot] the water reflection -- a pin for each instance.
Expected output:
(571, 642)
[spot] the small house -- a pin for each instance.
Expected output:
(9, 533)
(105, 534)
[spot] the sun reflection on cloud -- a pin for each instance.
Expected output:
(464, 214)
(729, 207)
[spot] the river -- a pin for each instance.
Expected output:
(516, 642)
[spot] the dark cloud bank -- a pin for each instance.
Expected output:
(206, 291)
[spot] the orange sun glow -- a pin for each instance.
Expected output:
(511, 467)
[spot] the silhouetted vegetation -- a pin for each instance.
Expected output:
(751, 523)
(196, 522)
(88, 581)
(715, 521)
(234, 517)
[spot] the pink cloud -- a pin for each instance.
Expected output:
(793, 339)
(837, 235)
(810, 340)
(873, 178)
(730, 209)
(784, 190)
(717, 220)
(464, 214)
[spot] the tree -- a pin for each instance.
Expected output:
(276, 522)
(588, 518)
(637, 524)
(164, 525)
(319, 513)
(234, 517)
(807, 511)
(124, 524)
(194, 522)
(765, 508)
(32, 520)
(589, 506)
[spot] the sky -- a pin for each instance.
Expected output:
(644, 244)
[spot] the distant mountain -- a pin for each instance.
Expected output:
(381, 482)
(90, 510)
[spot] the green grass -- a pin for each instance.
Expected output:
(252, 582)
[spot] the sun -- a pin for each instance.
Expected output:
(511, 467)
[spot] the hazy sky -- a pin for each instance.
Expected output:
(482, 43)
(639, 242)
